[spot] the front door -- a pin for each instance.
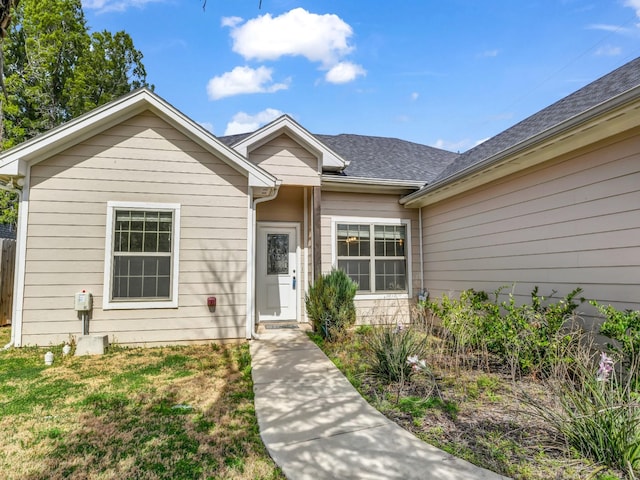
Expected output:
(276, 278)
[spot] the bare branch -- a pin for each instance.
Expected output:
(204, 4)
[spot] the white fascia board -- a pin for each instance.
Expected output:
(328, 159)
(257, 179)
(369, 185)
(12, 168)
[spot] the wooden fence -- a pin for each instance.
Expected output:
(7, 267)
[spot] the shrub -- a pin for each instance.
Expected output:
(389, 347)
(549, 336)
(465, 319)
(526, 336)
(532, 332)
(330, 305)
(556, 314)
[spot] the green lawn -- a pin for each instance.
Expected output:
(146, 413)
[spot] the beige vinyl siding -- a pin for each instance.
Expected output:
(141, 160)
(574, 221)
(340, 204)
(287, 160)
(288, 206)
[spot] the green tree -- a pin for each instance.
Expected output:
(113, 59)
(44, 45)
(55, 69)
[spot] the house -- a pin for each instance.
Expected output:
(184, 237)
(553, 201)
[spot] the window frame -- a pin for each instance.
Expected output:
(172, 302)
(372, 222)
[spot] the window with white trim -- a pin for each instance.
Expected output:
(373, 255)
(142, 255)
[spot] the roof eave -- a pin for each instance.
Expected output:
(369, 185)
(605, 111)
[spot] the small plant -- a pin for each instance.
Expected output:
(364, 329)
(389, 349)
(330, 303)
(623, 327)
(598, 415)
(417, 407)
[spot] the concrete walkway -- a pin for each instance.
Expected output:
(316, 426)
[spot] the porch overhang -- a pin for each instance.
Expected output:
(335, 183)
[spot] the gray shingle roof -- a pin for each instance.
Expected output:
(230, 140)
(380, 157)
(388, 158)
(597, 92)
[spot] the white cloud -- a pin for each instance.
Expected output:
(243, 122)
(608, 51)
(415, 96)
(322, 39)
(115, 5)
(242, 80)
(207, 126)
(344, 72)
(231, 21)
(457, 146)
(319, 38)
(489, 53)
(609, 28)
(635, 4)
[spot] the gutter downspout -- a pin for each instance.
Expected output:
(11, 188)
(305, 240)
(421, 251)
(251, 242)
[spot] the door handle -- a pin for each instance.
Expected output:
(293, 280)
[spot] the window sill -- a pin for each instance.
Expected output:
(139, 305)
(381, 296)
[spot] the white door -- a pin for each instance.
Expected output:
(276, 278)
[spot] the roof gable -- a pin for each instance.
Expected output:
(327, 158)
(15, 161)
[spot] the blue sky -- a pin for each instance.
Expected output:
(448, 74)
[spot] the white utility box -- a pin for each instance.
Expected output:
(83, 301)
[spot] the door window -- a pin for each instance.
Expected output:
(277, 254)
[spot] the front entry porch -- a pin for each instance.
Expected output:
(283, 256)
